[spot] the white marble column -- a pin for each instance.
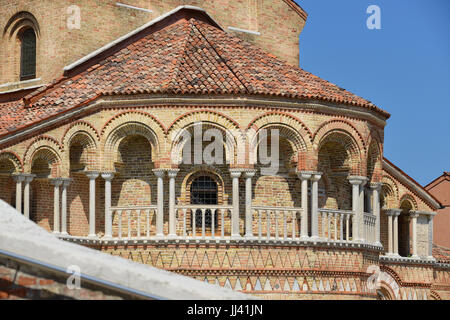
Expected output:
(26, 195)
(235, 174)
(19, 178)
(396, 214)
(362, 210)
(390, 232)
(430, 235)
(356, 182)
(92, 177)
(376, 189)
(64, 185)
(414, 215)
(56, 212)
(304, 177)
(249, 174)
(159, 173)
(172, 210)
(315, 177)
(108, 177)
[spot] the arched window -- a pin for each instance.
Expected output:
(204, 191)
(28, 55)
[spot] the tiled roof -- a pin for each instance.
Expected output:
(188, 56)
(441, 254)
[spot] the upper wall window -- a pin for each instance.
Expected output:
(28, 55)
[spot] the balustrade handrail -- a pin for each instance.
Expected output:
(276, 208)
(124, 208)
(327, 210)
(203, 206)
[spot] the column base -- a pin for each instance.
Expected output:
(236, 237)
(64, 234)
(305, 238)
(378, 244)
(92, 236)
(172, 236)
(56, 232)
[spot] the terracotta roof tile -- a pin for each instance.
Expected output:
(188, 56)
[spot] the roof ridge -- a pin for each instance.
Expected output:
(222, 58)
(176, 70)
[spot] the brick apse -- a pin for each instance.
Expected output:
(93, 156)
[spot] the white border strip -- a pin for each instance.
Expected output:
(128, 35)
(133, 7)
(20, 82)
(244, 31)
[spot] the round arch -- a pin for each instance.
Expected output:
(11, 162)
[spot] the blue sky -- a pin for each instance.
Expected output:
(404, 68)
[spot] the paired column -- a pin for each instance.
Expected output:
(249, 174)
(172, 210)
(235, 175)
(315, 177)
(430, 235)
(108, 177)
(304, 177)
(56, 221)
(65, 183)
(357, 184)
(376, 189)
(92, 177)
(396, 214)
(160, 203)
(414, 215)
(392, 215)
(19, 178)
(26, 195)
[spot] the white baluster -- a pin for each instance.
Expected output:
(276, 212)
(285, 214)
(203, 223)
(184, 223)
(193, 214)
(223, 222)
(341, 227)
(268, 224)
(147, 212)
(293, 225)
(259, 224)
(129, 223)
(119, 214)
(213, 223)
(138, 212)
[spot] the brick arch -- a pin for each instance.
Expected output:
(91, 135)
(234, 144)
(339, 126)
(348, 143)
(13, 159)
(118, 134)
(21, 20)
(374, 160)
(50, 156)
(50, 150)
(409, 198)
(390, 281)
(302, 132)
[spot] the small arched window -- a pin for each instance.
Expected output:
(28, 55)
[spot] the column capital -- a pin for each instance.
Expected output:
(414, 214)
(173, 172)
(236, 173)
(28, 177)
(108, 176)
(19, 177)
(316, 176)
(56, 181)
(393, 212)
(92, 175)
(159, 172)
(375, 185)
(66, 182)
(304, 175)
(357, 180)
(249, 173)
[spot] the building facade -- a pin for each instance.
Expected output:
(440, 188)
(113, 155)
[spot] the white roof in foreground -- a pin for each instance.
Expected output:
(23, 237)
